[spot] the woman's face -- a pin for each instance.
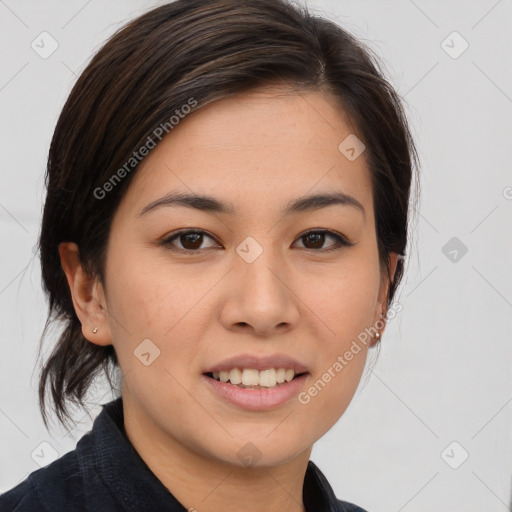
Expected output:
(252, 286)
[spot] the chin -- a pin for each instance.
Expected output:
(260, 450)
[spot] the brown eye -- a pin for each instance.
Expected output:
(189, 241)
(316, 239)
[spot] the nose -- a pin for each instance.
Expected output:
(260, 297)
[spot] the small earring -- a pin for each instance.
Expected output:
(95, 330)
(377, 336)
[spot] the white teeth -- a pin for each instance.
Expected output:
(268, 378)
(235, 376)
(252, 377)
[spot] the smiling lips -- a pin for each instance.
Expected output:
(250, 377)
(256, 397)
(262, 371)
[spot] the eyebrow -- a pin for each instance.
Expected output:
(207, 203)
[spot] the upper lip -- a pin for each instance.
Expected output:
(258, 363)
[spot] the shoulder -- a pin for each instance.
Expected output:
(57, 486)
(21, 498)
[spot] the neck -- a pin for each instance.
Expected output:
(203, 484)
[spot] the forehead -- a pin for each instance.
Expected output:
(255, 148)
(266, 117)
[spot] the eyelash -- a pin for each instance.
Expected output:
(342, 241)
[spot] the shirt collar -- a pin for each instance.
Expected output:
(136, 487)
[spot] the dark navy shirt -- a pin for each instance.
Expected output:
(104, 473)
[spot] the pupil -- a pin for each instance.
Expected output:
(191, 237)
(316, 238)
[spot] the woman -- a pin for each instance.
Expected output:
(225, 225)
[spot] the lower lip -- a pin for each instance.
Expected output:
(257, 399)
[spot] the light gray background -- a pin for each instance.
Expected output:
(443, 374)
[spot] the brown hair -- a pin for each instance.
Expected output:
(206, 50)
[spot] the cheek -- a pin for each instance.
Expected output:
(345, 304)
(150, 295)
(345, 300)
(168, 308)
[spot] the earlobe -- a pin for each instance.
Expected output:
(85, 295)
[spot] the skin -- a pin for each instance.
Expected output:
(257, 150)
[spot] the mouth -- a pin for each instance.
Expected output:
(252, 378)
(256, 390)
(256, 382)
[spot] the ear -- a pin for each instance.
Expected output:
(87, 294)
(381, 309)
